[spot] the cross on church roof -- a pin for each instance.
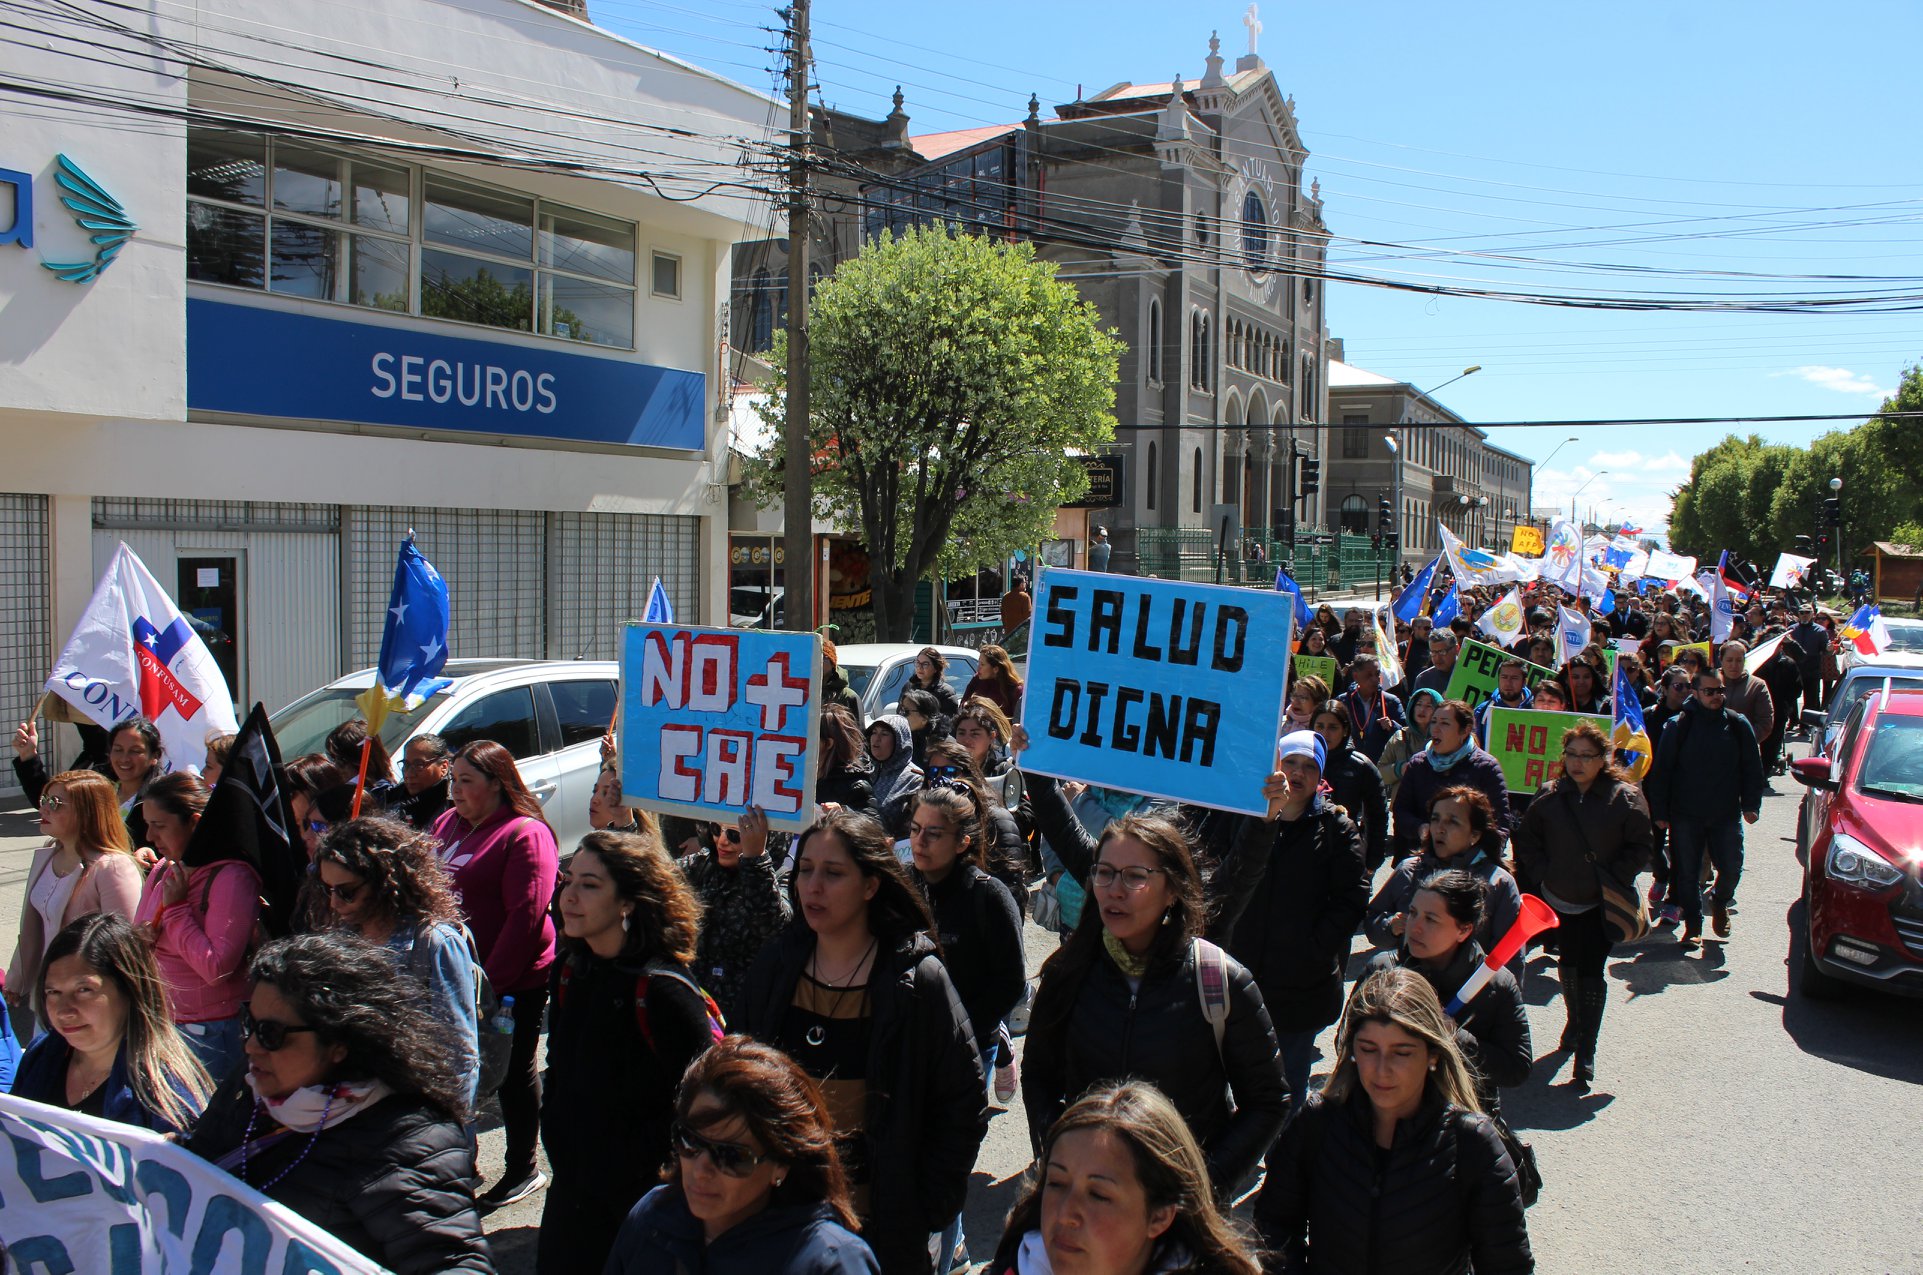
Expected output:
(1253, 22)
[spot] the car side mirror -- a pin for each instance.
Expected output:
(1814, 772)
(1815, 718)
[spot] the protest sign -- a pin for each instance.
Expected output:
(84, 1194)
(1157, 686)
(715, 720)
(1322, 666)
(1609, 657)
(1701, 648)
(1528, 743)
(1474, 678)
(1526, 541)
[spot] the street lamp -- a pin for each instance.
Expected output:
(1579, 491)
(1836, 487)
(1395, 450)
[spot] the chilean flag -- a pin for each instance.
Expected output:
(1736, 588)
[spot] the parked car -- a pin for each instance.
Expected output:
(550, 714)
(1906, 646)
(1904, 671)
(1860, 838)
(879, 671)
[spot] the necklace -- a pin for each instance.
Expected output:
(817, 1035)
(89, 1087)
(247, 1140)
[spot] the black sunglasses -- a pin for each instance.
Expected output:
(271, 1033)
(730, 1158)
(728, 834)
(943, 772)
(345, 893)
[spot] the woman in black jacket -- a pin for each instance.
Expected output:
(1391, 1167)
(1125, 997)
(742, 904)
(350, 1109)
(1439, 943)
(1004, 849)
(1462, 834)
(625, 1018)
(855, 991)
(931, 675)
(1354, 782)
(842, 777)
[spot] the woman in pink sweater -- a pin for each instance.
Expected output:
(202, 921)
(500, 853)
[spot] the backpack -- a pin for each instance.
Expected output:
(492, 1048)
(717, 1024)
(1212, 987)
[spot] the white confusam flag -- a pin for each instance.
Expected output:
(1789, 571)
(1503, 621)
(1670, 566)
(1572, 633)
(1562, 557)
(134, 653)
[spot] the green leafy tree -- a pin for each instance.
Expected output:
(952, 377)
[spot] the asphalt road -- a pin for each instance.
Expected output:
(1732, 1127)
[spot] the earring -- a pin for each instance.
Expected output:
(1432, 1064)
(779, 1181)
(625, 922)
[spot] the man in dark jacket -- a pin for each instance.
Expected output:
(1374, 715)
(1674, 695)
(1783, 674)
(1443, 648)
(1811, 639)
(1707, 773)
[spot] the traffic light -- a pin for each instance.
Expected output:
(1822, 543)
(1284, 525)
(1384, 513)
(1311, 476)
(1391, 541)
(1833, 511)
(1803, 545)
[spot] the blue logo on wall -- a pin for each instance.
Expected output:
(258, 361)
(94, 210)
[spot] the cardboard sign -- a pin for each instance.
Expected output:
(1526, 542)
(1474, 677)
(1528, 743)
(1700, 647)
(1162, 687)
(1322, 666)
(716, 720)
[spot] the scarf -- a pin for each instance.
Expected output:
(1441, 762)
(301, 1110)
(1130, 964)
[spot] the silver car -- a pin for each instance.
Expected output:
(550, 714)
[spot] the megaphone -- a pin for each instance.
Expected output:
(1535, 917)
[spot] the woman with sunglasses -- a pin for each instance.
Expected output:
(742, 904)
(1120, 999)
(1592, 824)
(110, 1049)
(86, 866)
(754, 1185)
(351, 1106)
(855, 991)
(843, 777)
(384, 881)
(625, 1020)
(894, 777)
(202, 920)
(133, 761)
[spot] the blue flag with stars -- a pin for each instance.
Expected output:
(660, 610)
(1283, 584)
(414, 642)
(1408, 603)
(1448, 609)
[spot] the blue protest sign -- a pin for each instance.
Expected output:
(1161, 687)
(715, 720)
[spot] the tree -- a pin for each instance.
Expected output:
(952, 378)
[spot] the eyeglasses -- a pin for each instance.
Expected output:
(52, 803)
(1581, 756)
(1133, 879)
(345, 893)
(316, 826)
(428, 764)
(730, 1158)
(728, 834)
(943, 772)
(270, 1033)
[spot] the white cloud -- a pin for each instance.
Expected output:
(1668, 463)
(1840, 379)
(1617, 460)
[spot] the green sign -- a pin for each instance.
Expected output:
(1474, 678)
(1322, 666)
(1528, 743)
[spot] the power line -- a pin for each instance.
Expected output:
(1596, 423)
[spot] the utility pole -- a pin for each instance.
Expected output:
(797, 487)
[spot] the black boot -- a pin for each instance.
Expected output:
(1594, 995)
(1572, 1005)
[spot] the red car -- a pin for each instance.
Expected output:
(1861, 842)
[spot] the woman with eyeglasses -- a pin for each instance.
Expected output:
(384, 881)
(931, 676)
(110, 1049)
(134, 758)
(753, 1184)
(500, 855)
(895, 777)
(202, 920)
(742, 904)
(1591, 825)
(350, 1108)
(855, 991)
(1120, 999)
(843, 777)
(86, 866)
(625, 1020)
(1121, 1188)
(1392, 1166)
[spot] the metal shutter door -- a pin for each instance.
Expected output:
(602, 568)
(26, 621)
(494, 561)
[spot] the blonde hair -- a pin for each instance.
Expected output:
(96, 811)
(1402, 998)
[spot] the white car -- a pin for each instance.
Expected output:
(1906, 645)
(879, 671)
(550, 714)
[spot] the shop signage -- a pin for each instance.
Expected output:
(1104, 483)
(94, 209)
(257, 361)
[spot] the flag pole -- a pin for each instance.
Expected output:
(360, 780)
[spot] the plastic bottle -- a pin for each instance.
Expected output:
(503, 1020)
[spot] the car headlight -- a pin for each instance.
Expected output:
(1854, 863)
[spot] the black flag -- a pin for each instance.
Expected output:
(247, 819)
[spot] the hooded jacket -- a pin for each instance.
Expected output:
(895, 781)
(1504, 900)
(661, 1236)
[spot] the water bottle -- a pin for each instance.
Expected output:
(503, 1020)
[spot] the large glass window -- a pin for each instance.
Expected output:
(307, 221)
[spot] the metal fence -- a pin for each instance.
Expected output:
(1316, 562)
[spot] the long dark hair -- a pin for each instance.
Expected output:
(344, 750)
(782, 1108)
(897, 912)
(149, 735)
(845, 748)
(400, 865)
(349, 992)
(497, 763)
(666, 920)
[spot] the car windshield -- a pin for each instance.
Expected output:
(1906, 639)
(1893, 765)
(859, 675)
(302, 728)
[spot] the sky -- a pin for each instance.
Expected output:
(1659, 152)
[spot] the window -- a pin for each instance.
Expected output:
(1255, 231)
(667, 275)
(506, 717)
(1355, 515)
(1154, 342)
(583, 710)
(1195, 483)
(1355, 443)
(309, 222)
(1149, 477)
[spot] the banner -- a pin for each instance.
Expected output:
(1503, 621)
(134, 653)
(1790, 569)
(1322, 666)
(1474, 677)
(83, 1194)
(1161, 687)
(1528, 743)
(715, 720)
(1526, 542)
